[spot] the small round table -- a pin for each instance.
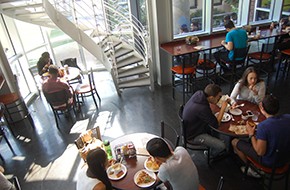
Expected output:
(133, 164)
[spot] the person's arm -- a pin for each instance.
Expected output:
(259, 145)
(229, 46)
(260, 93)
(222, 111)
(235, 92)
(100, 186)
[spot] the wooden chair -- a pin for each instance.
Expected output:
(184, 74)
(187, 144)
(170, 135)
(60, 103)
(271, 173)
(206, 69)
(230, 76)
(87, 89)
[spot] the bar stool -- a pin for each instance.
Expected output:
(206, 69)
(184, 75)
(15, 106)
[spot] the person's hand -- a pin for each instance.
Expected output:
(234, 105)
(253, 88)
(223, 42)
(250, 127)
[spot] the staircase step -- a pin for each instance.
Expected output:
(143, 81)
(140, 69)
(122, 51)
(128, 61)
(115, 44)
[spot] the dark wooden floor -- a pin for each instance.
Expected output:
(47, 158)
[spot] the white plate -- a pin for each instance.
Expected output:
(149, 169)
(226, 117)
(113, 176)
(152, 174)
(236, 111)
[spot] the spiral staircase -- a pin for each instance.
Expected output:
(117, 39)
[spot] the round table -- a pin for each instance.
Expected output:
(73, 73)
(133, 164)
(224, 126)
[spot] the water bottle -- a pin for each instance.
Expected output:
(108, 149)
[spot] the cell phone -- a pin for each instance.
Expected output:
(250, 114)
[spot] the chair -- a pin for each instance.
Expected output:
(207, 69)
(184, 74)
(170, 135)
(72, 62)
(16, 183)
(284, 50)
(15, 109)
(60, 103)
(87, 89)
(187, 144)
(262, 59)
(240, 55)
(221, 183)
(271, 173)
(36, 78)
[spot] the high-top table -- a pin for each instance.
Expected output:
(133, 164)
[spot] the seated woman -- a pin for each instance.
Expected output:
(93, 175)
(250, 87)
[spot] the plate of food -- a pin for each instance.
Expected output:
(151, 165)
(226, 117)
(238, 129)
(236, 111)
(116, 171)
(144, 178)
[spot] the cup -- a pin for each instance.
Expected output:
(255, 116)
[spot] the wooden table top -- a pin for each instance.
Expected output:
(179, 47)
(73, 73)
(224, 127)
(133, 164)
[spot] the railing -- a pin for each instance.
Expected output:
(102, 19)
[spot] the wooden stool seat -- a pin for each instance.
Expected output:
(9, 98)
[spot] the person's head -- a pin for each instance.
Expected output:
(53, 70)
(159, 149)
(97, 162)
(229, 25)
(213, 92)
(183, 28)
(270, 105)
(194, 26)
(227, 18)
(250, 77)
(45, 55)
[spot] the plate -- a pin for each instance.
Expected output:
(144, 185)
(226, 117)
(113, 176)
(236, 111)
(148, 167)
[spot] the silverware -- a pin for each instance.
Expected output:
(240, 105)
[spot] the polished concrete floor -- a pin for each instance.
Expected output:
(47, 159)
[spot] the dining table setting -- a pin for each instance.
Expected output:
(234, 120)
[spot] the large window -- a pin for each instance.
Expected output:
(263, 9)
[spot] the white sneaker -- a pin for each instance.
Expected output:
(251, 172)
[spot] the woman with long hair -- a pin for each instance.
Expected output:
(250, 87)
(94, 175)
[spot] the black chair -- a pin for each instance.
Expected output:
(262, 59)
(188, 144)
(72, 62)
(87, 89)
(60, 103)
(231, 74)
(276, 172)
(221, 183)
(16, 183)
(284, 50)
(170, 135)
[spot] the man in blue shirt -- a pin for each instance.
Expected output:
(235, 38)
(272, 133)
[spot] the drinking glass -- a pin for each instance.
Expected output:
(255, 116)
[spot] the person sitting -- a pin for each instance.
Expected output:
(5, 184)
(176, 167)
(183, 29)
(54, 84)
(271, 134)
(235, 38)
(250, 87)
(43, 63)
(197, 116)
(93, 175)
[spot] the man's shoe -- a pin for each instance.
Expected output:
(250, 172)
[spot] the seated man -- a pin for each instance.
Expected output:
(54, 84)
(235, 38)
(176, 168)
(197, 117)
(272, 133)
